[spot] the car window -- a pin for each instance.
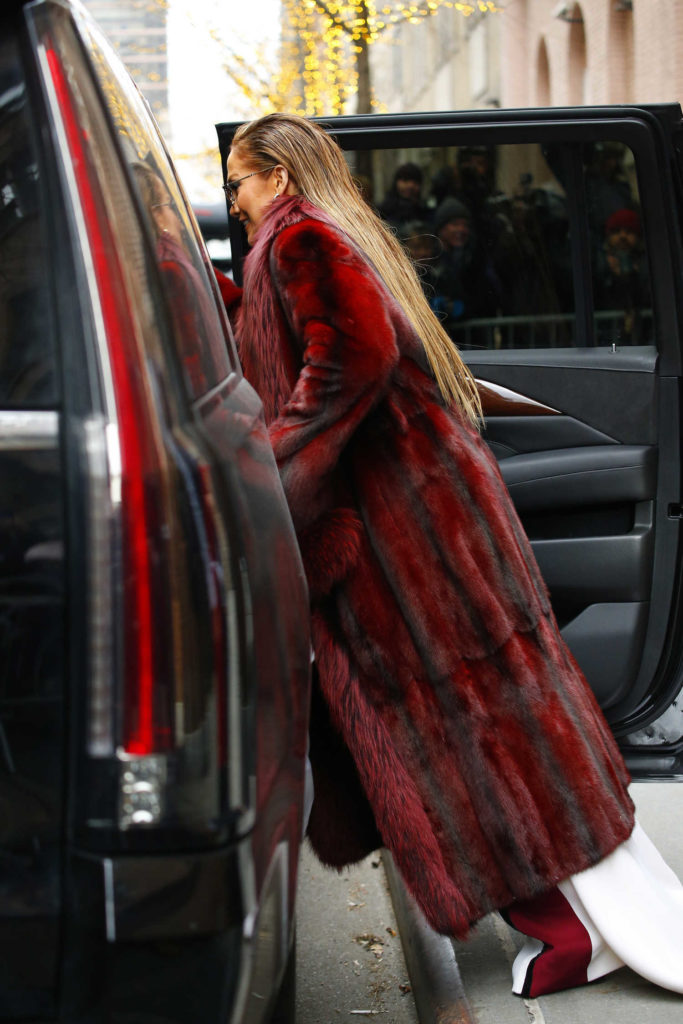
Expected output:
(27, 344)
(493, 232)
(202, 337)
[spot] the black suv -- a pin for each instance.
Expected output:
(154, 638)
(549, 242)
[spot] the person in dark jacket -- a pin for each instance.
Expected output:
(450, 722)
(465, 281)
(621, 280)
(403, 202)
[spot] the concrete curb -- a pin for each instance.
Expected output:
(430, 959)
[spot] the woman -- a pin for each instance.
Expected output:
(450, 723)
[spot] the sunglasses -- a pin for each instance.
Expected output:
(231, 187)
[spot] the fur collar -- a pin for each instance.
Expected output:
(284, 211)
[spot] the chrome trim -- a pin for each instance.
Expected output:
(28, 431)
(109, 900)
(264, 935)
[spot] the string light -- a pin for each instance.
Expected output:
(335, 35)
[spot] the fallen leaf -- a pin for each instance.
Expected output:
(392, 932)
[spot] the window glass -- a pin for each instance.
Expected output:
(621, 285)
(27, 347)
(489, 229)
(199, 325)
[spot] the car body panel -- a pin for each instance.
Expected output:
(131, 874)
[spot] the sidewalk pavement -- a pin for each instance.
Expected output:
(353, 967)
(350, 963)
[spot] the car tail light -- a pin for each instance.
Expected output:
(147, 714)
(156, 711)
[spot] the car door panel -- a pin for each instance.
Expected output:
(613, 393)
(583, 476)
(573, 477)
(606, 639)
(594, 508)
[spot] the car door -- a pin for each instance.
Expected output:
(550, 248)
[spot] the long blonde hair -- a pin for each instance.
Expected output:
(320, 173)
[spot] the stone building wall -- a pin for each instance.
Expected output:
(594, 51)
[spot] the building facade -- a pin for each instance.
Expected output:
(533, 53)
(444, 62)
(594, 51)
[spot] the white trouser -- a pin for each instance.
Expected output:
(627, 909)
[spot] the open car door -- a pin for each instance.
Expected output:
(561, 286)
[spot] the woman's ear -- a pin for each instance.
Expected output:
(284, 182)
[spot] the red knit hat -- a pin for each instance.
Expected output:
(628, 219)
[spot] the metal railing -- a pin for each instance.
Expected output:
(554, 330)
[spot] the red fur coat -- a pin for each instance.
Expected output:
(478, 755)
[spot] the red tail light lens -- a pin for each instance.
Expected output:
(147, 709)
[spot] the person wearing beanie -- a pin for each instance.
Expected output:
(621, 284)
(451, 210)
(623, 220)
(403, 202)
(464, 279)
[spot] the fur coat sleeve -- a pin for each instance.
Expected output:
(347, 353)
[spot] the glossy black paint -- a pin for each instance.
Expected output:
(32, 578)
(32, 597)
(152, 938)
(100, 921)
